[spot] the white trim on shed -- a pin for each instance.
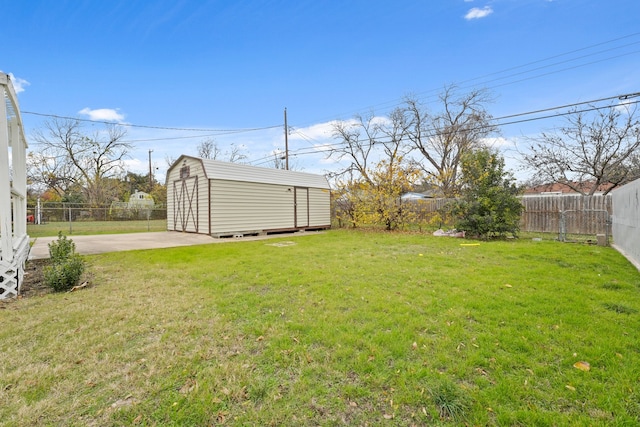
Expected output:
(225, 199)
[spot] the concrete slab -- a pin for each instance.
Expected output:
(101, 243)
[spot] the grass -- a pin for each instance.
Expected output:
(78, 228)
(338, 328)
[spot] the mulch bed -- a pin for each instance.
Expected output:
(33, 281)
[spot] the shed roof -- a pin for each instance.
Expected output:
(215, 169)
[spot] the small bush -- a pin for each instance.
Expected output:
(61, 249)
(64, 275)
(66, 266)
(489, 206)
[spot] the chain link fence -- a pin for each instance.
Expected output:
(48, 212)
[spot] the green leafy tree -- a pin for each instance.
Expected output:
(489, 206)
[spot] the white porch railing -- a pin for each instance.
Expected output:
(14, 242)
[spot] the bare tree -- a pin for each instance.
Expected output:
(209, 149)
(366, 141)
(443, 137)
(169, 160)
(378, 171)
(46, 170)
(235, 154)
(278, 159)
(88, 161)
(592, 149)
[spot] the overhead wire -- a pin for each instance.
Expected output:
(398, 101)
(465, 84)
(498, 122)
(239, 130)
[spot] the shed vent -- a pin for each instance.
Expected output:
(184, 172)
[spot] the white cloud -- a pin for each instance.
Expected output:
(103, 114)
(136, 166)
(496, 142)
(19, 84)
(477, 13)
(314, 132)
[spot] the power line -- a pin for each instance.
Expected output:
(316, 149)
(222, 132)
(463, 84)
(55, 116)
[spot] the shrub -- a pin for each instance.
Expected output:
(489, 206)
(66, 266)
(61, 249)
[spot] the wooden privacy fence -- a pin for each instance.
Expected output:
(561, 214)
(567, 214)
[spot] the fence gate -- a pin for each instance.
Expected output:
(185, 204)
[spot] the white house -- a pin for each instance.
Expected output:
(14, 241)
(227, 199)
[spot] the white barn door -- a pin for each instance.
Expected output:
(301, 207)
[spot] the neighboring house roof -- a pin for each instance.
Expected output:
(141, 198)
(215, 169)
(415, 196)
(559, 188)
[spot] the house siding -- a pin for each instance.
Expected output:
(626, 220)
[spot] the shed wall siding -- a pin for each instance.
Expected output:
(319, 207)
(246, 206)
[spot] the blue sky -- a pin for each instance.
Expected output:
(224, 65)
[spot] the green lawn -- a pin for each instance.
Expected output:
(340, 328)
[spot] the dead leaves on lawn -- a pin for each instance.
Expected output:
(583, 366)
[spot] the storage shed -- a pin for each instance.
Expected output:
(228, 199)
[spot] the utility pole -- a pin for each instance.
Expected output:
(150, 173)
(286, 142)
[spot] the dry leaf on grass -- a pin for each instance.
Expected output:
(189, 386)
(583, 366)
